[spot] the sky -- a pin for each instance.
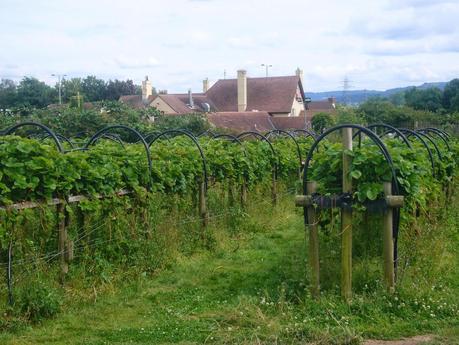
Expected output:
(376, 44)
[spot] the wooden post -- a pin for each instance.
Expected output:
(388, 243)
(9, 271)
(311, 187)
(62, 240)
(231, 198)
(244, 193)
(274, 188)
(203, 204)
(346, 220)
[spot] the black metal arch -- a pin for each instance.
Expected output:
(386, 126)
(229, 137)
(105, 130)
(388, 158)
(207, 132)
(421, 139)
(425, 136)
(445, 133)
(308, 132)
(282, 132)
(433, 143)
(12, 129)
(111, 137)
(180, 132)
(233, 139)
(263, 138)
(60, 137)
(151, 135)
(370, 134)
(437, 133)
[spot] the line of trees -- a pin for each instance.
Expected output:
(31, 92)
(431, 99)
(412, 108)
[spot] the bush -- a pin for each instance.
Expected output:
(38, 301)
(348, 115)
(320, 121)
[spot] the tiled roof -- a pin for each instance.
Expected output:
(272, 94)
(259, 121)
(136, 100)
(321, 105)
(175, 103)
(179, 102)
(198, 100)
(289, 122)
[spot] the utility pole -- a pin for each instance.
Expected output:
(59, 83)
(267, 68)
(346, 87)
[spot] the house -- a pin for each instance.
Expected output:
(279, 96)
(241, 103)
(323, 106)
(140, 101)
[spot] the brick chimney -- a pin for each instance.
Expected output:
(205, 85)
(146, 89)
(190, 99)
(299, 73)
(332, 101)
(241, 90)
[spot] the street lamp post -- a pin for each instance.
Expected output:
(307, 100)
(267, 68)
(59, 79)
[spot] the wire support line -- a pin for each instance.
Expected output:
(48, 257)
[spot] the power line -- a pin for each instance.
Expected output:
(346, 86)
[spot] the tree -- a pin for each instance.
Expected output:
(34, 93)
(117, 88)
(94, 89)
(70, 88)
(397, 98)
(321, 121)
(379, 110)
(8, 94)
(346, 114)
(451, 96)
(428, 99)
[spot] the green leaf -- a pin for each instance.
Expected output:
(372, 194)
(356, 174)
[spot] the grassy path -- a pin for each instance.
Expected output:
(203, 298)
(244, 292)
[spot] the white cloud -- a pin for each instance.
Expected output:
(125, 62)
(180, 42)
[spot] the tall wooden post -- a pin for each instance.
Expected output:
(244, 193)
(62, 239)
(311, 187)
(346, 220)
(388, 243)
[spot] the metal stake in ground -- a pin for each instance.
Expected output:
(62, 247)
(313, 243)
(346, 219)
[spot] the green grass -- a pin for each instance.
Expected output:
(251, 289)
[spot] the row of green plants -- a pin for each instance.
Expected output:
(423, 254)
(34, 170)
(147, 228)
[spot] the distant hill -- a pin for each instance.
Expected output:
(360, 96)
